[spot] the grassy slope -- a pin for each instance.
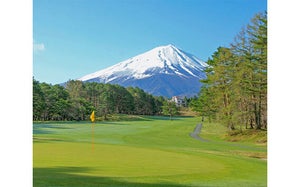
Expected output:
(149, 152)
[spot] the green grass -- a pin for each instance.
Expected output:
(152, 151)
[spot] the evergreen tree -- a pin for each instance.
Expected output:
(250, 48)
(235, 91)
(219, 83)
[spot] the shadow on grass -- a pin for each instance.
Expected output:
(44, 128)
(50, 126)
(66, 176)
(41, 131)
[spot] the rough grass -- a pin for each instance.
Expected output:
(247, 135)
(151, 151)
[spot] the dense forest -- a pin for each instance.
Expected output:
(78, 99)
(235, 91)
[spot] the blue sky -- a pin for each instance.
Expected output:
(73, 38)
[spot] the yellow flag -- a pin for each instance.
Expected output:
(92, 117)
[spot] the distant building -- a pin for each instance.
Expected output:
(179, 101)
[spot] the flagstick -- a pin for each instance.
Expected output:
(92, 117)
(92, 137)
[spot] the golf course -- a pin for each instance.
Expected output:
(145, 151)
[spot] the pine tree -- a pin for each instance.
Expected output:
(250, 48)
(235, 91)
(219, 82)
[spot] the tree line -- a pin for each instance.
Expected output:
(235, 90)
(76, 100)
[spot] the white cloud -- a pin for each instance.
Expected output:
(38, 47)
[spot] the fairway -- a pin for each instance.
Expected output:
(151, 151)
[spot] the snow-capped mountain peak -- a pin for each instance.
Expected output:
(160, 61)
(164, 59)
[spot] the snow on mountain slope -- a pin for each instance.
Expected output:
(152, 66)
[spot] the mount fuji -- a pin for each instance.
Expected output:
(162, 71)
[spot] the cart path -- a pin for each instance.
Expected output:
(196, 133)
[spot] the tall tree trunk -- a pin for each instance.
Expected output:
(258, 113)
(251, 123)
